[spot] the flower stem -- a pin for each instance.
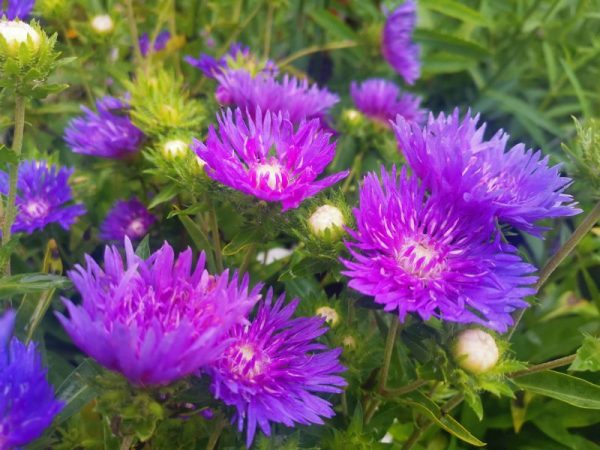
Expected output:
(214, 227)
(316, 49)
(560, 362)
(583, 229)
(268, 30)
(11, 208)
(216, 434)
(133, 31)
(410, 387)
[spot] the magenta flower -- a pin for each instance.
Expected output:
(268, 157)
(381, 101)
(397, 45)
(518, 186)
(126, 218)
(273, 369)
(155, 320)
(418, 253)
(299, 99)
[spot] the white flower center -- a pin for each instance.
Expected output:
(271, 173)
(136, 228)
(325, 217)
(16, 32)
(36, 209)
(420, 259)
(102, 24)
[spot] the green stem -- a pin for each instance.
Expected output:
(560, 362)
(268, 30)
(133, 31)
(248, 257)
(11, 208)
(580, 232)
(216, 434)
(214, 227)
(397, 392)
(316, 49)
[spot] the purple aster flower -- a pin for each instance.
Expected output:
(155, 320)
(43, 197)
(416, 253)
(17, 9)
(299, 99)
(397, 45)
(159, 44)
(273, 369)
(267, 157)
(237, 57)
(518, 185)
(126, 218)
(27, 403)
(108, 133)
(381, 101)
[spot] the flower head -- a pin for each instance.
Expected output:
(327, 219)
(381, 101)
(299, 99)
(268, 157)
(397, 45)
(16, 33)
(126, 218)
(27, 403)
(155, 320)
(238, 57)
(102, 24)
(273, 369)
(108, 133)
(159, 44)
(416, 253)
(518, 186)
(17, 9)
(43, 197)
(476, 351)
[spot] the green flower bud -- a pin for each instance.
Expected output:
(476, 351)
(330, 315)
(102, 24)
(16, 33)
(352, 117)
(327, 219)
(175, 148)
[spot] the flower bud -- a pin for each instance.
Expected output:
(102, 24)
(476, 351)
(349, 342)
(327, 217)
(175, 148)
(16, 33)
(330, 315)
(352, 117)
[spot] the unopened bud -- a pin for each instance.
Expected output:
(349, 342)
(329, 314)
(175, 148)
(352, 117)
(327, 217)
(102, 24)
(16, 33)
(476, 351)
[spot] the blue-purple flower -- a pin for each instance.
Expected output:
(298, 98)
(127, 218)
(108, 133)
(267, 157)
(418, 253)
(273, 370)
(381, 101)
(518, 186)
(155, 320)
(27, 402)
(397, 45)
(238, 57)
(43, 197)
(159, 44)
(17, 9)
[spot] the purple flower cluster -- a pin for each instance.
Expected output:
(297, 98)
(397, 45)
(268, 157)
(108, 133)
(159, 44)
(127, 218)
(43, 197)
(434, 247)
(237, 57)
(155, 320)
(381, 101)
(17, 9)
(272, 370)
(27, 402)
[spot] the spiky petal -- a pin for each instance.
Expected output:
(268, 157)
(17, 9)
(518, 186)
(273, 369)
(416, 253)
(43, 197)
(155, 320)
(397, 45)
(27, 404)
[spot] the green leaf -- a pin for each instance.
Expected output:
(7, 156)
(332, 24)
(563, 387)
(31, 282)
(452, 44)
(200, 239)
(588, 355)
(164, 196)
(442, 419)
(457, 10)
(143, 249)
(242, 241)
(77, 390)
(581, 96)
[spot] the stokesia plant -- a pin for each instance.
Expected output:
(290, 226)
